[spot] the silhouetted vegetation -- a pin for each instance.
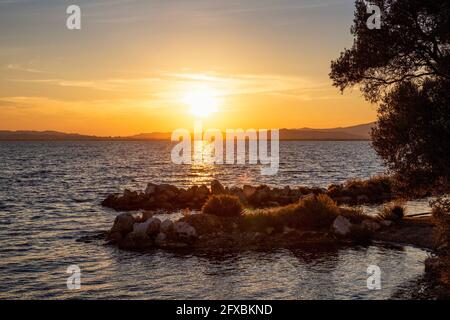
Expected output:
(223, 206)
(313, 212)
(393, 211)
(441, 218)
(405, 65)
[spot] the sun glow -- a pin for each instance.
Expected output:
(202, 101)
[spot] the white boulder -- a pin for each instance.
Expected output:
(341, 226)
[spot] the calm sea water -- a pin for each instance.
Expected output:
(50, 194)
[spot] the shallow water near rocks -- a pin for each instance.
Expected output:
(50, 194)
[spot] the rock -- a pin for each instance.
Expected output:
(185, 195)
(123, 223)
(235, 191)
(371, 225)
(262, 194)
(154, 226)
(114, 237)
(184, 231)
(141, 228)
(147, 215)
(432, 264)
(166, 226)
(363, 199)
(202, 192)
(161, 238)
(151, 188)
(216, 187)
(135, 241)
(386, 223)
(249, 191)
(341, 226)
(205, 223)
(149, 227)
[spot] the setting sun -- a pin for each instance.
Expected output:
(202, 101)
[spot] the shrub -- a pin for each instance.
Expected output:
(441, 219)
(393, 211)
(223, 206)
(313, 212)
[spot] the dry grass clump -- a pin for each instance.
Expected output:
(313, 212)
(393, 211)
(223, 206)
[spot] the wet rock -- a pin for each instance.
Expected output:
(154, 225)
(216, 187)
(136, 241)
(363, 199)
(341, 226)
(202, 193)
(184, 231)
(151, 189)
(114, 237)
(161, 239)
(123, 223)
(150, 227)
(166, 226)
(185, 196)
(205, 223)
(249, 191)
(147, 215)
(371, 225)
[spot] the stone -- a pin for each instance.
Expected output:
(114, 237)
(202, 192)
(371, 225)
(184, 230)
(154, 226)
(166, 226)
(363, 199)
(216, 187)
(141, 228)
(386, 223)
(123, 223)
(147, 215)
(185, 195)
(149, 227)
(161, 238)
(135, 241)
(432, 264)
(249, 191)
(341, 226)
(151, 188)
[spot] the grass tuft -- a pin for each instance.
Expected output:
(393, 211)
(223, 206)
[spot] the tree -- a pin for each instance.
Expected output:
(404, 66)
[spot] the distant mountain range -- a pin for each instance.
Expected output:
(359, 132)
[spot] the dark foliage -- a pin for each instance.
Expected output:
(405, 65)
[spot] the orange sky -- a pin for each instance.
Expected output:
(131, 67)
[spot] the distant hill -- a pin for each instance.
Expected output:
(359, 132)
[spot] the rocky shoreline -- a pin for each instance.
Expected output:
(169, 197)
(277, 225)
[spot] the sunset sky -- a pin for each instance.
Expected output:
(142, 65)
